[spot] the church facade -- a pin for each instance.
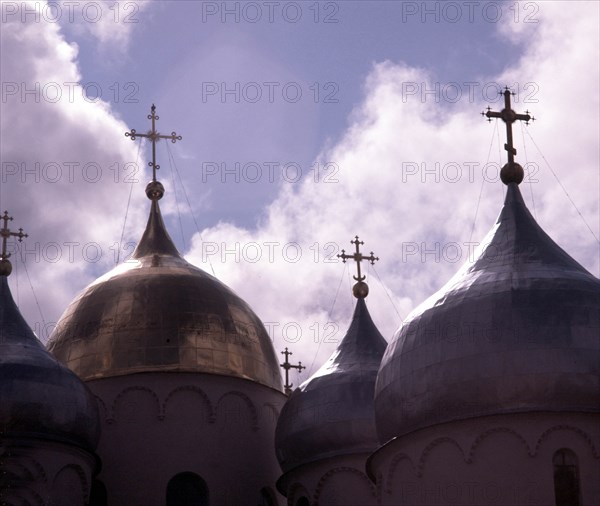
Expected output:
(160, 386)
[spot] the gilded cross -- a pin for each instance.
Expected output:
(287, 366)
(154, 136)
(509, 117)
(357, 257)
(6, 233)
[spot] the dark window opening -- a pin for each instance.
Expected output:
(303, 501)
(267, 497)
(566, 478)
(98, 496)
(187, 489)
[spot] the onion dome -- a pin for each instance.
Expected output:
(156, 312)
(39, 397)
(515, 330)
(331, 413)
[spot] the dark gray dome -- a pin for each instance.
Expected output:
(332, 412)
(515, 330)
(39, 397)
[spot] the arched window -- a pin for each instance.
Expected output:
(302, 501)
(267, 497)
(98, 495)
(187, 489)
(566, 478)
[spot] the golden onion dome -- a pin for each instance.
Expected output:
(156, 312)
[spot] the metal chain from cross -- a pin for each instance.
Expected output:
(154, 136)
(509, 117)
(287, 366)
(5, 233)
(358, 257)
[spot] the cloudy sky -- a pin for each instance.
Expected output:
(304, 124)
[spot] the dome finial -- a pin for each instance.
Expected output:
(512, 172)
(5, 265)
(154, 190)
(287, 366)
(360, 290)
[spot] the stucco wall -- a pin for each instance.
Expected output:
(498, 460)
(156, 425)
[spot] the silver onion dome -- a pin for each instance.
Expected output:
(157, 312)
(515, 330)
(332, 412)
(39, 397)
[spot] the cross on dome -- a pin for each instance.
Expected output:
(287, 366)
(154, 137)
(6, 233)
(512, 172)
(360, 289)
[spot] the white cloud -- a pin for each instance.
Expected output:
(420, 223)
(417, 222)
(110, 23)
(61, 154)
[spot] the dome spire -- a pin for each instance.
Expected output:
(512, 172)
(154, 190)
(360, 290)
(156, 239)
(340, 391)
(5, 233)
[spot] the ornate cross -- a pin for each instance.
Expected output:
(509, 117)
(154, 136)
(357, 257)
(6, 233)
(287, 366)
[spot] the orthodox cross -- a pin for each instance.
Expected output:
(509, 117)
(154, 136)
(287, 366)
(5, 233)
(357, 257)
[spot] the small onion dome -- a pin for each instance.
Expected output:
(157, 312)
(39, 397)
(515, 330)
(332, 413)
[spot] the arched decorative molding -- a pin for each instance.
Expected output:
(31, 469)
(135, 389)
(584, 435)
(337, 470)
(85, 485)
(24, 496)
(428, 449)
(495, 430)
(103, 409)
(248, 402)
(210, 412)
(392, 469)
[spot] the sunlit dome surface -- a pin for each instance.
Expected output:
(157, 312)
